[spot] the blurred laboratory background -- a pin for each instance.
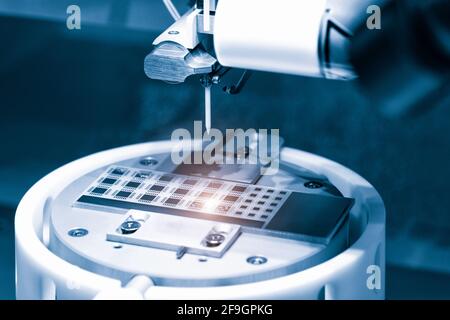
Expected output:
(65, 94)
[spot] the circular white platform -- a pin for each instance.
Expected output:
(41, 274)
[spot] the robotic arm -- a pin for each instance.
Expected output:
(318, 38)
(299, 37)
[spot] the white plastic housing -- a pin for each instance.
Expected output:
(276, 36)
(41, 273)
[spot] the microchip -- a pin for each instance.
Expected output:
(251, 214)
(172, 201)
(238, 212)
(239, 189)
(230, 198)
(256, 208)
(248, 200)
(181, 191)
(214, 185)
(99, 190)
(118, 171)
(123, 194)
(156, 187)
(258, 189)
(147, 197)
(166, 178)
(273, 204)
(196, 205)
(109, 181)
(190, 182)
(283, 192)
(142, 175)
(265, 197)
(269, 210)
(278, 198)
(205, 194)
(133, 184)
(270, 191)
(223, 208)
(264, 216)
(244, 207)
(253, 195)
(261, 202)
(315, 215)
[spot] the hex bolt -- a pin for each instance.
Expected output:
(129, 227)
(313, 185)
(148, 161)
(256, 260)
(77, 232)
(214, 239)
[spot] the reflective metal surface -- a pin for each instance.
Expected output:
(173, 63)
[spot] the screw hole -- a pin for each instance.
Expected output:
(256, 260)
(148, 161)
(77, 232)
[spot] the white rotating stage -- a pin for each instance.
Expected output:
(127, 223)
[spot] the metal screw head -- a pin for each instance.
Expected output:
(130, 226)
(313, 185)
(148, 161)
(77, 232)
(256, 260)
(173, 32)
(214, 239)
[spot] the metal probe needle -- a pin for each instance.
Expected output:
(208, 108)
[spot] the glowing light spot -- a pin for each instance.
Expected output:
(211, 204)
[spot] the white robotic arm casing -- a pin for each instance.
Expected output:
(298, 37)
(276, 36)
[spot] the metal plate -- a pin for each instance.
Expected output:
(302, 216)
(174, 233)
